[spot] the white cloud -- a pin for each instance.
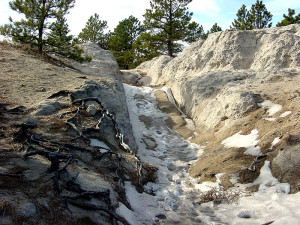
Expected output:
(208, 8)
(113, 11)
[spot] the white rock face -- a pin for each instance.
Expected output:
(210, 78)
(153, 68)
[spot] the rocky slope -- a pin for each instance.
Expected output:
(220, 82)
(66, 140)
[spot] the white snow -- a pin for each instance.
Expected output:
(270, 119)
(272, 107)
(271, 203)
(275, 142)
(286, 113)
(176, 193)
(249, 141)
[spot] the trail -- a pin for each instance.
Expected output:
(175, 194)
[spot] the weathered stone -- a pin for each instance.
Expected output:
(130, 77)
(48, 107)
(28, 210)
(153, 68)
(102, 64)
(111, 93)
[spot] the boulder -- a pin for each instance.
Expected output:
(111, 94)
(285, 166)
(103, 61)
(130, 77)
(107, 86)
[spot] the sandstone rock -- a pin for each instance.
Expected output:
(102, 64)
(202, 74)
(92, 107)
(219, 81)
(154, 68)
(108, 87)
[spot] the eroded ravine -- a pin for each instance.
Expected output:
(174, 194)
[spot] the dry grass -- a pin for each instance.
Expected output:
(219, 196)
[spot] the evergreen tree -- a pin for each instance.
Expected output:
(259, 16)
(289, 19)
(194, 32)
(59, 42)
(122, 40)
(94, 31)
(169, 19)
(146, 47)
(242, 22)
(215, 28)
(37, 14)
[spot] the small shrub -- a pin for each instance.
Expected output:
(219, 196)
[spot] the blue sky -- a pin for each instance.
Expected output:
(206, 12)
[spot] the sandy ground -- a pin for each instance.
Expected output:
(26, 79)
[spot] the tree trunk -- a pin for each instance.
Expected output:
(40, 40)
(41, 27)
(170, 48)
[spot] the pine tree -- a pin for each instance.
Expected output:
(94, 31)
(194, 32)
(242, 22)
(289, 19)
(122, 41)
(60, 42)
(259, 16)
(169, 19)
(215, 28)
(38, 14)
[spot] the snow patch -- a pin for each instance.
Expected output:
(249, 141)
(275, 142)
(272, 107)
(286, 113)
(270, 119)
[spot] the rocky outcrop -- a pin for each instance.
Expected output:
(108, 87)
(219, 83)
(103, 61)
(71, 144)
(153, 69)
